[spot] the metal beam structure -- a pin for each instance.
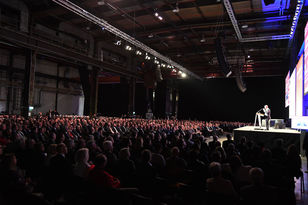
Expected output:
(231, 14)
(44, 47)
(233, 19)
(106, 26)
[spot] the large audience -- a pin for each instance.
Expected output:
(54, 159)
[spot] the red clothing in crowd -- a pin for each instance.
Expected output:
(103, 179)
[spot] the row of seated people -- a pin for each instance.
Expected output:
(45, 161)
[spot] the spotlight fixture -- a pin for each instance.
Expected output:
(138, 53)
(150, 35)
(248, 56)
(183, 75)
(128, 48)
(156, 14)
(160, 18)
(176, 9)
(245, 26)
(101, 2)
(163, 65)
(202, 40)
(147, 57)
(118, 43)
(104, 25)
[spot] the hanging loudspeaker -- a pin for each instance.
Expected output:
(239, 80)
(225, 67)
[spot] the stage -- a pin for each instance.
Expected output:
(268, 137)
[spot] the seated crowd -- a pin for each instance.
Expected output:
(80, 160)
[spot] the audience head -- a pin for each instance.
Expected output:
(9, 161)
(175, 151)
(100, 161)
(229, 137)
(215, 169)
(82, 155)
(235, 162)
(146, 156)
(279, 142)
(292, 151)
(243, 140)
(257, 176)
(52, 149)
(124, 154)
(62, 149)
(108, 146)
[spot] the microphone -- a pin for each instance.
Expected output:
(260, 110)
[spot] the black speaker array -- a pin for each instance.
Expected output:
(239, 80)
(220, 52)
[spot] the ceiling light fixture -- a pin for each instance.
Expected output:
(118, 43)
(100, 2)
(202, 40)
(106, 26)
(183, 75)
(176, 9)
(128, 48)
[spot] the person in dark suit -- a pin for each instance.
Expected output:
(227, 142)
(267, 115)
(305, 148)
(61, 171)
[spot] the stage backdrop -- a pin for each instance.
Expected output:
(220, 99)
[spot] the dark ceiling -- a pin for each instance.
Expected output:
(187, 36)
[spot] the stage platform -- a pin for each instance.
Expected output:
(268, 137)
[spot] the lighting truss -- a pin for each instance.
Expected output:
(290, 36)
(230, 12)
(104, 24)
(266, 38)
(298, 10)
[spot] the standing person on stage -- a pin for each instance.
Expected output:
(267, 115)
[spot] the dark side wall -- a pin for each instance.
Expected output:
(213, 99)
(220, 99)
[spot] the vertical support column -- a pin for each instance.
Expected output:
(131, 95)
(9, 88)
(29, 79)
(84, 79)
(169, 100)
(57, 87)
(175, 102)
(94, 91)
